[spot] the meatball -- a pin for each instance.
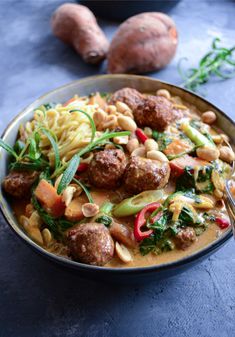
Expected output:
(18, 183)
(156, 112)
(129, 96)
(91, 243)
(145, 174)
(107, 168)
(185, 237)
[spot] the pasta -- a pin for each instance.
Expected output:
(71, 128)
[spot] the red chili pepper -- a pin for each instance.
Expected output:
(141, 135)
(82, 167)
(222, 223)
(140, 221)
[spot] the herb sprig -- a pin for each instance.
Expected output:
(217, 62)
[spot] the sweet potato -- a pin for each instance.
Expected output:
(76, 25)
(73, 211)
(178, 165)
(144, 42)
(49, 199)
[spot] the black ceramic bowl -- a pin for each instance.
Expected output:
(121, 10)
(110, 83)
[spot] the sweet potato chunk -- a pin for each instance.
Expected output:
(73, 211)
(50, 200)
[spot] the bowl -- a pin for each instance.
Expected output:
(110, 83)
(121, 10)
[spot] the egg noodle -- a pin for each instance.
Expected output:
(71, 128)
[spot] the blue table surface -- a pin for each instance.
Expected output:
(37, 298)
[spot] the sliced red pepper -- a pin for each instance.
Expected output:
(140, 221)
(222, 223)
(82, 167)
(141, 135)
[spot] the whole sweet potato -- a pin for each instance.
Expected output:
(144, 42)
(76, 25)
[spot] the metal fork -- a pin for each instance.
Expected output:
(229, 201)
(230, 205)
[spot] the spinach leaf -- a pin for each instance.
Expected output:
(186, 180)
(148, 245)
(160, 225)
(163, 140)
(104, 219)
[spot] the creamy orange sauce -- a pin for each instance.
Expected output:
(210, 235)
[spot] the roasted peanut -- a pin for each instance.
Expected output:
(164, 93)
(148, 131)
(208, 117)
(139, 152)
(208, 153)
(67, 194)
(111, 110)
(111, 122)
(150, 144)
(157, 155)
(90, 210)
(99, 117)
(132, 145)
(226, 154)
(122, 140)
(217, 139)
(122, 107)
(47, 237)
(128, 113)
(123, 253)
(126, 123)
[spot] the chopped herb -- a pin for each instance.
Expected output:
(163, 140)
(69, 173)
(104, 219)
(218, 62)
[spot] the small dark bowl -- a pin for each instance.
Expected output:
(109, 83)
(121, 10)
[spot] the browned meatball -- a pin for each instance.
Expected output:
(107, 168)
(18, 183)
(156, 112)
(145, 174)
(91, 243)
(129, 96)
(185, 237)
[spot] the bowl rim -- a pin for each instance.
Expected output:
(81, 266)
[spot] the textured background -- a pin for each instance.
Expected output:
(37, 299)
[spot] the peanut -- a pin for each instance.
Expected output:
(164, 93)
(157, 155)
(208, 153)
(226, 154)
(209, 117)
(122, 107)
(90, 210)
(139, 152)
(126, 123)
(150, 144)
(122, 140)
(123, 253)
(132, 145)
